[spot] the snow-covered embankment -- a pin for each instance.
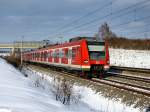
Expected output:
(130, 58)
(94, 102)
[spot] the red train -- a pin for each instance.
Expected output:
(83, 55)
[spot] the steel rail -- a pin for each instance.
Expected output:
(120, 85)
(141, 70)
(129, 84)
(131, 77)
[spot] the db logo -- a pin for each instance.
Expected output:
(97, 62)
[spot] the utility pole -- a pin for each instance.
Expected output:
(61, 39)
(22, 50)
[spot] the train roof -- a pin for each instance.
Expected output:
(72, 41)
(89, 39)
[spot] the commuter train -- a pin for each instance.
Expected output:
(86, 56)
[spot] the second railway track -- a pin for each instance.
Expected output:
(131, 77)
(118, 84)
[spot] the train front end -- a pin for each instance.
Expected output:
(98, 58)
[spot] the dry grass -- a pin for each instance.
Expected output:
(136, 44)
(15, 61)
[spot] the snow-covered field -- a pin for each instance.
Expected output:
(130, 58)
(19, 94)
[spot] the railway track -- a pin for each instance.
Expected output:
(141, 70)
(125, 86)
(128, 84)
(130, 77)
(118, 84)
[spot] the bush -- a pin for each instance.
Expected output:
(63, 90)
(15, 61)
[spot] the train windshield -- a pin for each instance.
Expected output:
(96, 50)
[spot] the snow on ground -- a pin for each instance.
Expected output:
(17, 94)
(94, 101)
(130, 58)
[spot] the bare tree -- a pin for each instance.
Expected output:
(105, 32)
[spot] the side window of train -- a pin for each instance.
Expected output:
(49, 54)
(32, 55)
(66, 53)
(41, 54)
(45, 54)
(78, 51)
(70, 53)
(57, 54)
(61, 53)
(73, 52)
(38, 55)
(54, 54)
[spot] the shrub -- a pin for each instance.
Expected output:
(63, 91)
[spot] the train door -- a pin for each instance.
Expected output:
(50, 56)
(64, 59)
(60, 55)
(56, 59)
(53, 55)
(76, 55)
(45, 56)
(69, 56)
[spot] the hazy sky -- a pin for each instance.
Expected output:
(50, 19)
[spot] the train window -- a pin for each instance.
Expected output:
(53, 54)
(32, 56)
(38, 55)
(57, 54)
(49, 55)
(97, 55)
(66, 53)
(73, 52)
(45, 54)
(61, 54)
(69, 53)
(35, 55)
(78, 51)
(41, 54)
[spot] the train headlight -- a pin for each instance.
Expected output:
(106, 67)
(86, 61)
(108, 61)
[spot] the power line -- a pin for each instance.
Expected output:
(95, 20)
(117, 26)
(116, 17)
(128, 22)
(86, 15)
